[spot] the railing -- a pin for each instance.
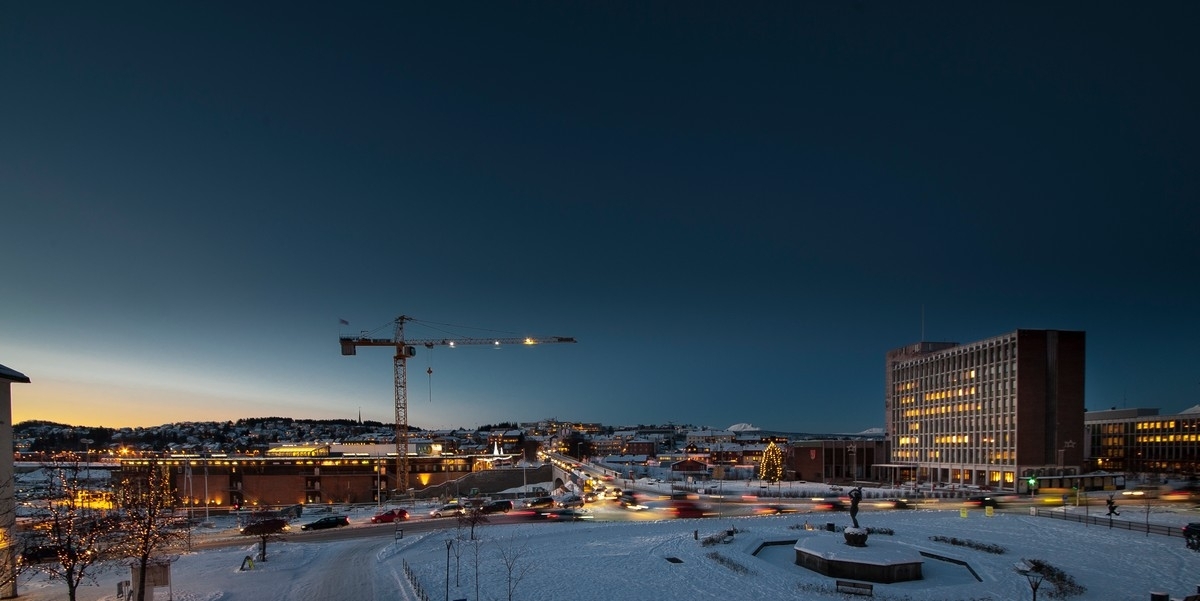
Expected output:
(1107, 522)
(416, 584)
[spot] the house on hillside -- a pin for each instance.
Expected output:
(689, 467)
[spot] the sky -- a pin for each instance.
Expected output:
(735, 210)
(628, 559)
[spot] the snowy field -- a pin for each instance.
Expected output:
(663, 560)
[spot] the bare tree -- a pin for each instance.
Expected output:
(458, 550)
(147, 504)
(475, 544)
(266, 530)
(515, 569)
(472, 517)
(77, 535)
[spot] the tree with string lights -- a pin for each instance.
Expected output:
(76, 534)
(770, 468)
(150, 530)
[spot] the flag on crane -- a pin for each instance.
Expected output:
(343, 322)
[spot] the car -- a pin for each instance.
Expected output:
(540, 503)
(686, 509)
(775, 509)
(453, 509)
(568, 514)
(570, 501)
(982, 501)
(993, 500)
(1191, 535)
(332, 521)
(264, 527)
(40, 554)
(501, 506)
(391, 515)
(630, 501)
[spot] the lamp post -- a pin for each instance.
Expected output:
(1034, 578)
(449, 543)
(206, 519)
(87, 452)
(853, 450)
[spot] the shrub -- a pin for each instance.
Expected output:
(978, 546)
(1064, 585)
(729, 563)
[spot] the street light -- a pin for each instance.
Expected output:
(853, 449)
(1034, 578)
(449, 543)
(87, 451)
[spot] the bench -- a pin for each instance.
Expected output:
(856, 588)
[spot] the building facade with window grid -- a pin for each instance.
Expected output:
(987, 412)
(1142, 441)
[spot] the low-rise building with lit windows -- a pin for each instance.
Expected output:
(304, 474)
(1140, 440)
(987, 413)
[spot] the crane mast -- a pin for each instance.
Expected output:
(406, 349)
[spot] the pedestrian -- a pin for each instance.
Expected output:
(1112, 507)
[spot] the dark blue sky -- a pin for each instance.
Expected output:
(736, 209)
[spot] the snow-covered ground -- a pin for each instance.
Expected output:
(669, 560)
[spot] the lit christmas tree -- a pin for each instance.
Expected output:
(771, 467)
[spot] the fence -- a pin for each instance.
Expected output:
(1106, 522)
(416, 584)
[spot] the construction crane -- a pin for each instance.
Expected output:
(406, 349)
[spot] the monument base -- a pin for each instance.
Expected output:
(883, 562)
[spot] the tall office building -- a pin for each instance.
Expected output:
(988, 412)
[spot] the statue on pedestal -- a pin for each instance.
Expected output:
(855, 497)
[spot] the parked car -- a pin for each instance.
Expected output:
(540, 503)
(391, 515)
(332, 521)
(501, 506)
(40, 554)
(453, 509)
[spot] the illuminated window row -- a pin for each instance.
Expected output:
(952, 439)
(1155, 425)
(1168, 438)
(948, 394)
(940, 409)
